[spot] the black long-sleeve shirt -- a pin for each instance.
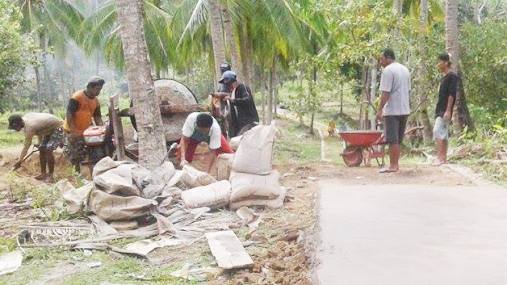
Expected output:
(243, 108)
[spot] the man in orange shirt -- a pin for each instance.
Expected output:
(83, 110)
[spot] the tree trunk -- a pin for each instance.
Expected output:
(312, 93)
(47, 97)
(452, 46)
(264, 97)
(39, 91)
(217, 36)
(233, 46)
(271, 88)
(421, 73)
(398, 14)
(423, 15)
(152, 144)
(397, 7)
(363, 112)
(427, 128)
(373, 91)
(246, 56)
(275, 94)
(312, 120)
(341, 99)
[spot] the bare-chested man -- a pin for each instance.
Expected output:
(48, 129)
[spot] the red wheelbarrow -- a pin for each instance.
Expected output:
(357, 142)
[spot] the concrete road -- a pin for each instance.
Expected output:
(412, 234)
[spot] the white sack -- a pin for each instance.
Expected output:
(195, 178)
(251, 186)
(235, 141)
(271, 204)
(224, 165)
(215, 195)
(116, 208)
(255, 151)
(76, 199)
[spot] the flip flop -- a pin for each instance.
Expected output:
(387, 170)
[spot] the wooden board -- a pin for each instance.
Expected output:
(228, 250)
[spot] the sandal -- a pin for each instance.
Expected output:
(387, 170)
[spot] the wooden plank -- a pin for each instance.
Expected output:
(119, 138)
(228, 250)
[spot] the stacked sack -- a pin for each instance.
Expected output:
(124, 193)
(253, 180)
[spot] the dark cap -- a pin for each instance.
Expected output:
(224, 67)
(228, 76)
(95, 81)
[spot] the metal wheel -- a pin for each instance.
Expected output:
(352, 156)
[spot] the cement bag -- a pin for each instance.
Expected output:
(116, 208)
(161, 174)
(224, 165)
(76, 199)
(117, 180)
(215, 195)
(271, 204)
(251, 186)
(255, 152)
(195, 178)
(106, 164)
(203, 157)
(235, 141)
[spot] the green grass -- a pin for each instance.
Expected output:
(296, 145)
(38, 263)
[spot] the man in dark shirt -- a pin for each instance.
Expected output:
(443, 111)
(243, 111)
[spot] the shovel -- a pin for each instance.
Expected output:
(25, 158)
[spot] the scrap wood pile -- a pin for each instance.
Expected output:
(181, 206)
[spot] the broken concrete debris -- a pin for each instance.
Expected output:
(192, 273)
(10, 262)
(143, 247)
(228, 251)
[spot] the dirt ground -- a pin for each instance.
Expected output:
(282, 247)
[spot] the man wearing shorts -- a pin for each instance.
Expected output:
(48, 129)
(82, 111)
(394, 105)
(443, 111)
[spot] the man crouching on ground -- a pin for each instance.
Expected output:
(48, 129)
(201, 127)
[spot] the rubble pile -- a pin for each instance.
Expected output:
(178, 207)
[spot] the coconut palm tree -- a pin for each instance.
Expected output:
(452, 45)
(258, 25)
(152, 145)
(51, 22)
(100, 31)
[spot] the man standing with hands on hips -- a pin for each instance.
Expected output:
(394, 105)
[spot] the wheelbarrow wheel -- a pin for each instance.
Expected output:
(352, 156)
